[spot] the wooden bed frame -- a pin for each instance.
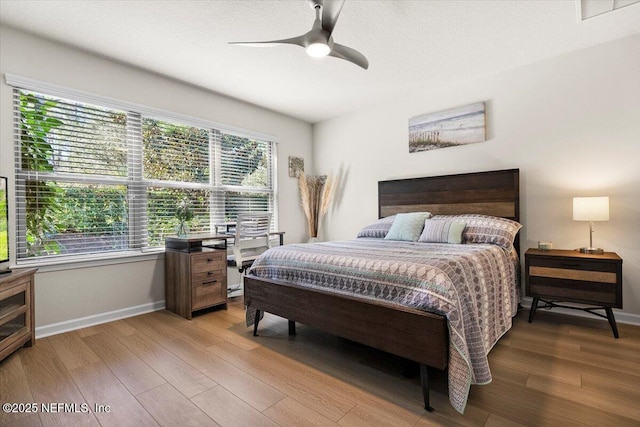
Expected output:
(413, 334)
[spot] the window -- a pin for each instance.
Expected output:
(93, 179)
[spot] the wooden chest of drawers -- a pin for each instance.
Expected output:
(195, 280)
(565, 275)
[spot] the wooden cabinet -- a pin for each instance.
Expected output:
(17, 326)
(565, 275)
(195, 280)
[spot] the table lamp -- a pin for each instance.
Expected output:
(591, 209)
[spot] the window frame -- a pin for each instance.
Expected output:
(134, 180)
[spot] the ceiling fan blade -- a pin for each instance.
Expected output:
(348, 54)
(330, 12)
(298, 41)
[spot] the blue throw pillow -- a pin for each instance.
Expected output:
(407, 226)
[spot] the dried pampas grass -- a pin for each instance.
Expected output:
(316, 197)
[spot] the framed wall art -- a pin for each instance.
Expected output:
(296, 165)
(448, 128)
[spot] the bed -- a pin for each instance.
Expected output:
(429, 336)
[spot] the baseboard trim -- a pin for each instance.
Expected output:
(97, 319)
(621, 316)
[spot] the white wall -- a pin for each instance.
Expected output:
(70, 294)
(570, 124)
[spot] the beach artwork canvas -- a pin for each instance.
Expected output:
(448, 128)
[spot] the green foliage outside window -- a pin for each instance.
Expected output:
(175, 152)
(42, 198)
(93, 178)
(63, 218)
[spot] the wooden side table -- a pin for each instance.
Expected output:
(565, 275)
(17, 324)
(195, 273)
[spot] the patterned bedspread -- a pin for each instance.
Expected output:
(474, 285)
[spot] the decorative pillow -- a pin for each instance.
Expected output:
(378, 229)
(407, 226)
(486, 229)
(442, 231)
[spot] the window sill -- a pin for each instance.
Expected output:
(88, 261)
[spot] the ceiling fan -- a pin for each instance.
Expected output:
(318, 41)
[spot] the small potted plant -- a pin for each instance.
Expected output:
(184, 215)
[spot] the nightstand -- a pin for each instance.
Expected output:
(564, 275)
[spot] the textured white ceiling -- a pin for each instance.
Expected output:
(409, 44)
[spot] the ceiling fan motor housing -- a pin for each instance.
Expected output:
(314, 3)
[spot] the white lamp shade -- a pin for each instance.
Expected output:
(591, 209)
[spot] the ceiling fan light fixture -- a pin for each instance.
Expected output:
(318, 42)
(318, 49)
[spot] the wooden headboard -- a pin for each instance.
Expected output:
(494, 193)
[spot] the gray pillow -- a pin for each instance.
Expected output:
(378, 229)
(486, 229)
(442, 231)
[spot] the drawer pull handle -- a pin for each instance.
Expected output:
(569, 264)
(209, 260)
(210, 282)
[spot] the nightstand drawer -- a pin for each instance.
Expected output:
(576, 264)
(212, 274)
(206, 262)
(573, 290)
(208, 293)
(571, 274)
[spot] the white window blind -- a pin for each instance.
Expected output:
(246, 176)
(91, 179)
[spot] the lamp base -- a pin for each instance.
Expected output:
(596, 251)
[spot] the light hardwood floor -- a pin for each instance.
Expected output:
(160, 369)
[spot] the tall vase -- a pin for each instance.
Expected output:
(182, 229)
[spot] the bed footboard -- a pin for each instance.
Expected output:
(413, 334)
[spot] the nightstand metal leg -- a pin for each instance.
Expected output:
(534, 307)
(292, 327)
(612, 321)
(255, 323)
